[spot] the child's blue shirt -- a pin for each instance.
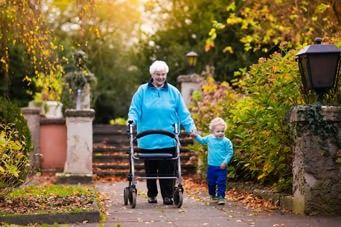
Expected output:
(220, 150)
(159, 108)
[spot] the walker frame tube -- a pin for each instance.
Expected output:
(133, 157)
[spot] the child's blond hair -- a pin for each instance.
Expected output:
(217, 121)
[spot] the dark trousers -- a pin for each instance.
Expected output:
(161, 168)
(216, 181)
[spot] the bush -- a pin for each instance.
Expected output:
(214, 100)
(118, 121)
(15, 146)
(272, 87)
(255, 113)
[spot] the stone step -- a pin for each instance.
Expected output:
(123, 170)
(111, 152)
(111, 157)
(109, 134)
(101, 129)
(124, 141)
(138, 165)
(109, 149)
(117, 173)
(105, 129)
(117, 166)
(111, 140)
(138, 172)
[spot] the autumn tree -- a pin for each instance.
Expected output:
(105, 30)
(181, 26)
(23, 24)
(265, 24)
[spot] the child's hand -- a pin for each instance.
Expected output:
(223, 166)
(193, 134)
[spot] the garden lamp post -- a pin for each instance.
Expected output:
(315, 146)
(192, 58)
(190, 81)
(319, 66)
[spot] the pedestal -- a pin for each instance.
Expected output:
(78, 165)
(32, 116)
(317, 160)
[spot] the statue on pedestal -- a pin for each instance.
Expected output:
(79, 81)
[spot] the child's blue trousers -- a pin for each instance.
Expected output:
(216, 180)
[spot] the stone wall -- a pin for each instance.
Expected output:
(189, 83)
(317, 155)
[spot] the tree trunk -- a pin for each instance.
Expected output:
(4, 56)
(336, 5)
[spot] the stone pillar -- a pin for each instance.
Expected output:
(189, 83)
(317, 159)
(32, 116)
(78, 165)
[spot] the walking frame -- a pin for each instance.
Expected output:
(130, 192)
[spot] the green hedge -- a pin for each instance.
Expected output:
(15, 147)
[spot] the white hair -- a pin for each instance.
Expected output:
(158, 66)
(217, 121)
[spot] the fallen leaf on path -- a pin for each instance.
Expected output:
(196, 189)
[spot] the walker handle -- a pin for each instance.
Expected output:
(130, 127)
(155, 131)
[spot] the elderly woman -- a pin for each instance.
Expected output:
(159, 105)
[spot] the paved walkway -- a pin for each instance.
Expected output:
(196, 211)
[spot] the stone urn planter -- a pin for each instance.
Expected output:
(49, 109)
(52, 109)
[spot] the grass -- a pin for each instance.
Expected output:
(49, 199)
(52, 190)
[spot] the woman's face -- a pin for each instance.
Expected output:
(159, 78)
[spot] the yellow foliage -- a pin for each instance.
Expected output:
(268, 22)
(228, 49)
(34, 35)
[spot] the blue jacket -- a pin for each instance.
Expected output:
(220, 150)
(159, 108)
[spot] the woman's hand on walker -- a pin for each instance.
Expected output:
(130, 122)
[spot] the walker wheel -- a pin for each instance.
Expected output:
(178, 197)
(126, 195)
(132, 197)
